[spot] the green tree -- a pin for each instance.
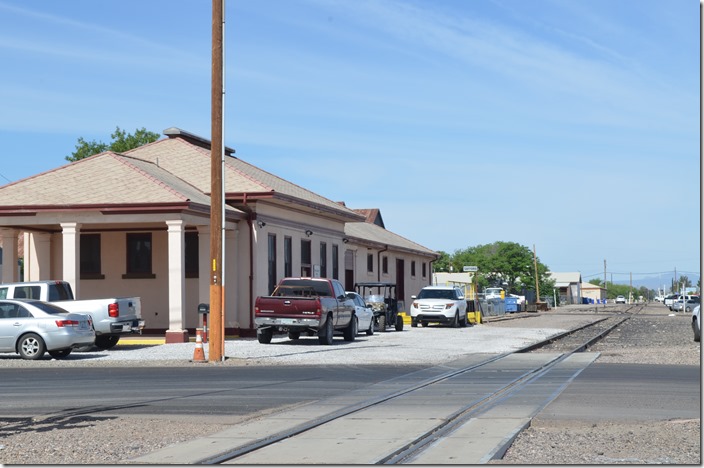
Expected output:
(442, 264)
(121, 142)
(504, 263)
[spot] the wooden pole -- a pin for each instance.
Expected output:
(216, 342)
(537, 286)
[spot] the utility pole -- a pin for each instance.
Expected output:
(535, 265)
(216, 341)
(605, 282)
(630, 287)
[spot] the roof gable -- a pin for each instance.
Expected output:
(373, 216)
(568, 277)
(104, 179)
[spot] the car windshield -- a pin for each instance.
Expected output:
(436, 294)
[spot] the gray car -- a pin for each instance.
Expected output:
(679, 305)
(31, 328)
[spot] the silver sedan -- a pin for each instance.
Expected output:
(31, 328)
(364, 313)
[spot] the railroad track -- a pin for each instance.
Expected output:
(581, 338)
(467, 392)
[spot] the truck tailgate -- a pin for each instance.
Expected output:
(287, 306)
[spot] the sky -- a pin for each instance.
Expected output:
(571, 126)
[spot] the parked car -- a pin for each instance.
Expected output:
(363, 312)
(314, 306)
(696, 324)
(620, 300)
(31, 328)
(439, 304)
(677, 302)
(681, 306)
(669, 299)
(112, 317)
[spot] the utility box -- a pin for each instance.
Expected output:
(203, 312)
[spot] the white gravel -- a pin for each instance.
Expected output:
(413, 346)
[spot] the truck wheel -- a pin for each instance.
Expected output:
(382, 323)
(351, 331)
(106, 341)
(264, 335)
(325, 335)
(399, 323)
(31, 347)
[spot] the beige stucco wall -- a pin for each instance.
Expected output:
(238, 298)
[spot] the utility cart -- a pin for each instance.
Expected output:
(381, 297)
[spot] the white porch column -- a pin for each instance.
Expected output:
(71, 258)
(177, 279)
(9, 255)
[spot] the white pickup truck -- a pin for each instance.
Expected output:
(112, 317)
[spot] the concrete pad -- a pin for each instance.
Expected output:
(344, 441)
(476, 442)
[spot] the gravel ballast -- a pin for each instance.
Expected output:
(655, 337)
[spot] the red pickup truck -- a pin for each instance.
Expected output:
(306, 305)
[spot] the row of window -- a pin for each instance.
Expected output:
(306, 259)
(385, 265)
(139, 258)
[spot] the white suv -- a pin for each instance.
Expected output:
(439, 304)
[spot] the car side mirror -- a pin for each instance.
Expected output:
(414, 297)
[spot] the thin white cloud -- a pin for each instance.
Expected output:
(64, 37)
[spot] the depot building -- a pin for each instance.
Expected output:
(138, 224)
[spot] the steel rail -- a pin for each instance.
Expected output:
(411, 450)
(451, 423)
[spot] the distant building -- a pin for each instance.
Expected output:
(569, 287)
(593, 291)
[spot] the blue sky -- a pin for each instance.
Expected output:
(571, 125)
